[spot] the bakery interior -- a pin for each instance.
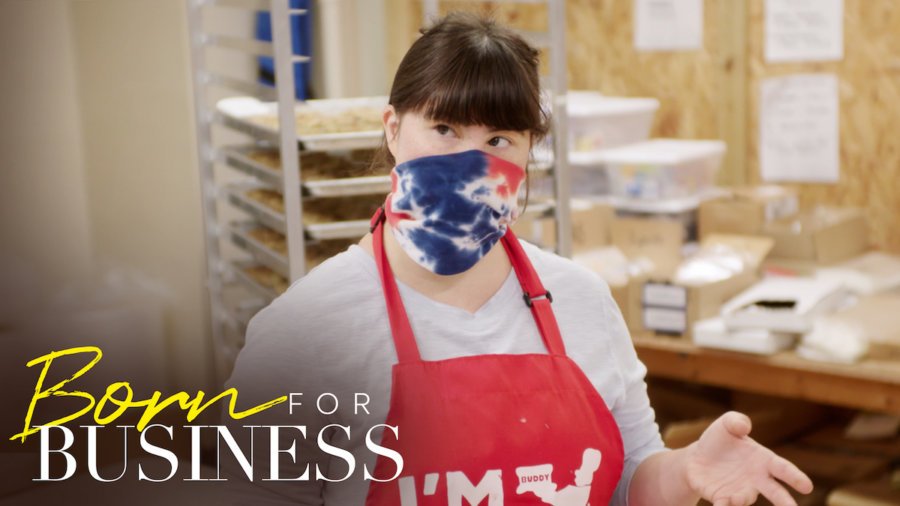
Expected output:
(730, 168)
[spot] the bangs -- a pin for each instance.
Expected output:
(489, 91)
(468, 71)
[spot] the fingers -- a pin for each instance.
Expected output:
(776, 494)
(745, 498)
(738, 424)
(787, 472)
(720, 436)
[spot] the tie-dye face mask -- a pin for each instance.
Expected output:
(448, 211)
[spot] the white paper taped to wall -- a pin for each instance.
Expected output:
(799, 132)
(804, 30)
(668, 25)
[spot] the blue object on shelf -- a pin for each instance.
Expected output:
(301, 31)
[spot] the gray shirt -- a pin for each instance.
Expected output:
(329, 333)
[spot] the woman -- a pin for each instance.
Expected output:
(510, 375)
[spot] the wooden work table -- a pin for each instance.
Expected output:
(870, 385)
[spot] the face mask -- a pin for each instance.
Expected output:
(448, 211)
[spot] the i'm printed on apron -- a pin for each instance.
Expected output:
(493, 429)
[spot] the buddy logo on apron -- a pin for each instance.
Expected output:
(493, 429)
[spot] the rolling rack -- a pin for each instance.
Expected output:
(251, 260)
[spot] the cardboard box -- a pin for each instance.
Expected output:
(615, 269)
(591, 223)
(672, 308)
(746, 210)
(870, 273)
(657, 240)
(823, 235)
(878, 318)
(629, 299)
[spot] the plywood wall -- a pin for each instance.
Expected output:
(712, 93)
(869, 113)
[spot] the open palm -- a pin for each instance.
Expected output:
(726, 467)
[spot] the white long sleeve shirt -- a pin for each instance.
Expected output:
(330, 333)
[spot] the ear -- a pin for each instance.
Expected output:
(391, 122)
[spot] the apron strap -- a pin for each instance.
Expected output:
(404, 339)
(536, 296)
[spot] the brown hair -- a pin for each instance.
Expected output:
(468, 70)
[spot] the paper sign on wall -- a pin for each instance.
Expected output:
(804, 30)
(798, 122)
(668, 25)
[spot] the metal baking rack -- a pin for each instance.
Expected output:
(268, 115)
(238, 104)
(277, 221)
(238, 158)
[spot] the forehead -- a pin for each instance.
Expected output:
(421, 117)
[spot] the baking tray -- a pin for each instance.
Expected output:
(239, 232)
(265, 215)
(238, 266)
(238, 112)
(349, 229)
(237, 157)
(365, 185)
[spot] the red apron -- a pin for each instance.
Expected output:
(493, 429)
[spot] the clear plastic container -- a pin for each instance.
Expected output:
(662, 168)
(599, 122)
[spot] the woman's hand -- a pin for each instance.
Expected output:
(726, 467)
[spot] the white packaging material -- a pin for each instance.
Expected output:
(784, 304)
(598, 122)
(834, 340)
(610, 263)
(713, 333)
(870, 273)
(709, 265)
(663, 168)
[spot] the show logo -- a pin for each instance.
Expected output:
(119, 398)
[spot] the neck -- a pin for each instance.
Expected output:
(468, 290)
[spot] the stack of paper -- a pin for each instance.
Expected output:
(783, 304)
(713, 333)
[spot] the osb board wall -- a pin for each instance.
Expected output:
(869, 113)
(601, 57)
(703, 94)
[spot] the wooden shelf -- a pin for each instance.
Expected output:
(870, 385)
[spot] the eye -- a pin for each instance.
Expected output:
(499, 142)
(443, 129)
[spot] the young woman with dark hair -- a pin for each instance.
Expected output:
(504, 374)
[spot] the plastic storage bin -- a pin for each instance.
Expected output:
(662, 168)
(599, 122)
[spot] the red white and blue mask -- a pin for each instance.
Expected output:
(448, 211)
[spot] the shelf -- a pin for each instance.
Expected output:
(237, 158)
(260, 119)
(238, 268)
(347, 229)
(870, 385)
(240, 236)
